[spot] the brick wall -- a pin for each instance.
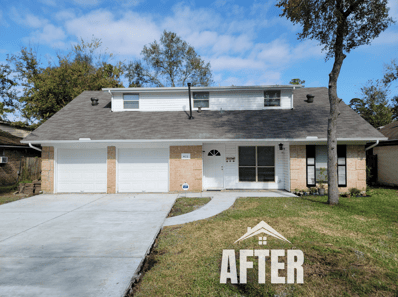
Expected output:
(297, 167)
(189, 171)
(47, 169)
(111, 169)
(356, 167)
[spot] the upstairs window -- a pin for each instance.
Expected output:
(201, 99)
(131, 101)
(272, 98)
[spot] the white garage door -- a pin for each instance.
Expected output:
(81, 170)
(143, 170)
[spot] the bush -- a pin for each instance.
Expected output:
(354, 192)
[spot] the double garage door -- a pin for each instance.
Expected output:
(138, 170)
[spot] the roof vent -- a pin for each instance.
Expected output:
(94, 101)
(310, 98)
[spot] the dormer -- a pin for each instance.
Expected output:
(207, 98)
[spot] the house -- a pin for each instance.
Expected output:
(386, 155)
(252, 137)
(12, 151)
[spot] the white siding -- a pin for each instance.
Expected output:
(286, 166)
(178, 101)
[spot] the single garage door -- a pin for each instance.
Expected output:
(81, 170)
(143, 170)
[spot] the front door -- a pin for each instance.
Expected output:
(213, 166)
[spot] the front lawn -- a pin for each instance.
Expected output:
(185, 205)
(350, 249)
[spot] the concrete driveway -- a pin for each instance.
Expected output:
(77, 244)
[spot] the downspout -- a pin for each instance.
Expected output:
(35, 148)
(190, 104)
(293, 95)
(373, 145)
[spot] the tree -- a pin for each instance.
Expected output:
(297, 81)
(6, 92)
(391, 72)
(171, 63)
(339, 26)
(48, 89)
(394, 108)
(373, 106)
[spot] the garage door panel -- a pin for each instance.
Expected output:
(143, 170)
(81, 170)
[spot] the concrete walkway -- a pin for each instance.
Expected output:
(77, 244)
(220, 201)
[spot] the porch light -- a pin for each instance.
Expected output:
(281, 147)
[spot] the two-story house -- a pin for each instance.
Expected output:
(247, 137)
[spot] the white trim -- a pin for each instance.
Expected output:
(55, 170)
(184, 89)
(204, 140)
(116, 168)
(168, 184)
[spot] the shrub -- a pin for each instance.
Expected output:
(354, 192)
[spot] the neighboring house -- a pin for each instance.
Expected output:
(387, 155)
(252, 137)
(13, 150)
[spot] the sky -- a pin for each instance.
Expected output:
(246, 42)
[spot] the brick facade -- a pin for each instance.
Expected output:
(47, 169)
(111, 169)
(356, 167)
(297, 167)
(186, 171)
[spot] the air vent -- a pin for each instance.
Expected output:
(310, 98)
(94, 101)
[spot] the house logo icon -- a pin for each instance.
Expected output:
(261, 228)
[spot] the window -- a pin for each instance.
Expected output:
(214, 153)
(201, 99)
(317, 158)
(131, 101)
(272, 98)
(256, 163)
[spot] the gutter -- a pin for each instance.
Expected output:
(200, 140)
(35, 148)
(373, 145)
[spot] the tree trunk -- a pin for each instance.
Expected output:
(339, 56)
(333, 190)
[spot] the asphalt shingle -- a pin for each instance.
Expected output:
(79, 119)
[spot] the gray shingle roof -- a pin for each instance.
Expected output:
(79, 119)
(390, 130)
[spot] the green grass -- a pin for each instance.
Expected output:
(350, 249)
(185, 205)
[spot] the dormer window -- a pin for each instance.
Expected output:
(131, 101)
(201, 99)
(272, 98)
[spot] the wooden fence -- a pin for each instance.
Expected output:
(30, 168)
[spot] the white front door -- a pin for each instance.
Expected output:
(213, 166)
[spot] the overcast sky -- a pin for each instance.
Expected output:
(246, 42)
